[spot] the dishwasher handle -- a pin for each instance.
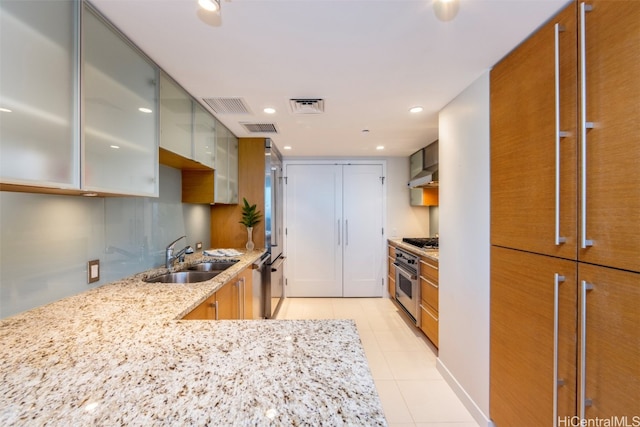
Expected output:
(276, 267)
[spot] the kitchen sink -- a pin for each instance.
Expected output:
(184, 277)
(213, 266)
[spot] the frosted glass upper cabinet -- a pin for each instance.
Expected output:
(176, 118)
(38, 93)
(226, 166)
(120, 113)
(204, 136)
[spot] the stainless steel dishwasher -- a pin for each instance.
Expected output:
(260, 280)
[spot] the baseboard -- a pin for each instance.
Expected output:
(481, 418)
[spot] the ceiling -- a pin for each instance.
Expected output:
(369, 60)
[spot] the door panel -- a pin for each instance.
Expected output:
(612, 147)
(612, 342)
(523, 143)
(522, 338)
(362, 200)
(314, 236)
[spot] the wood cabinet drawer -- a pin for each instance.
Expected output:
(429, 293)
(429, 323)
(391, 251)
(429, 269)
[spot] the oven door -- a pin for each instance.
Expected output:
(407, 292)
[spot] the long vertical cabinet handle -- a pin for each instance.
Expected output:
(558, 134)
(584, 125)
(584, 402)
(556, 310)
(241, 298)
(215, 305)
(346, 232)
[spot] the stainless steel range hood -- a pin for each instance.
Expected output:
(428, 174)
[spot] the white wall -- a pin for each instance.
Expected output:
(403, 220)
(464, 253)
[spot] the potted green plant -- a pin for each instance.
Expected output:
(250, 217)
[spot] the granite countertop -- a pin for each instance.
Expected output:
(119, 355)
(429, 253)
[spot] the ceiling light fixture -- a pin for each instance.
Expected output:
(210, 5)
(287, 147)
(5, 110)
(269, 110)
(446, 10)
(416, 109)
(380, 147)
(145, 110)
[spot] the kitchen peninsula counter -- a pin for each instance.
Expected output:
(119, 355)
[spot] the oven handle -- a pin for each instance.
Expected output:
(407, 272)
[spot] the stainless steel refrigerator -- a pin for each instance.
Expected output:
(273, 276)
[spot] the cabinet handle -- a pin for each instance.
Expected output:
(427, 311)
(429, 282)
(584, 125)
(558, 133)
(215, 306)
(241, 297)
(584, 402)
(346, 232)
(556, 310)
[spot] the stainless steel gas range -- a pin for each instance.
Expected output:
(408, 275)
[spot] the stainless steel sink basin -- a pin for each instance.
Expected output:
(184, 277)
(213, 266)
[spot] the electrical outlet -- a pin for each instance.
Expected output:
(93, 271)
(198, 246)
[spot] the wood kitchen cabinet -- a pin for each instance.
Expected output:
(391, 268)
(565, 190)
(233, 301)
(429, 298)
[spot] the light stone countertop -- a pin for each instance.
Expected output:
(429, 253)
(119, 355)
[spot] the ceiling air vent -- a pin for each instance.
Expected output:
(260, 127)
(307, 106)
(227, 105)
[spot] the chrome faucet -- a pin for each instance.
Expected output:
(170, 257)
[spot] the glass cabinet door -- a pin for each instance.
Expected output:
(233, 169)
(204, 136)
(221, 184)
(120, 113)
(38, 93)
(176, 118)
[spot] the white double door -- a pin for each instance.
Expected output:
(334, 230)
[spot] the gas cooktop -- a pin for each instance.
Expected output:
(422, 242)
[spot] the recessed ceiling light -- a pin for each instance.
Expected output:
(115, 146)
(365, 131)
(145, 110)
(90, 194)
(287, 147)
(5, 110)
(269, 110)
(210, 5)
(416, 109)
(380, 147)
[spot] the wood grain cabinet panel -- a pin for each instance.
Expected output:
(612, 341)
(523, 142)
(593, 203)
(523, 314)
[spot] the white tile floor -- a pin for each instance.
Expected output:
(402, 360)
